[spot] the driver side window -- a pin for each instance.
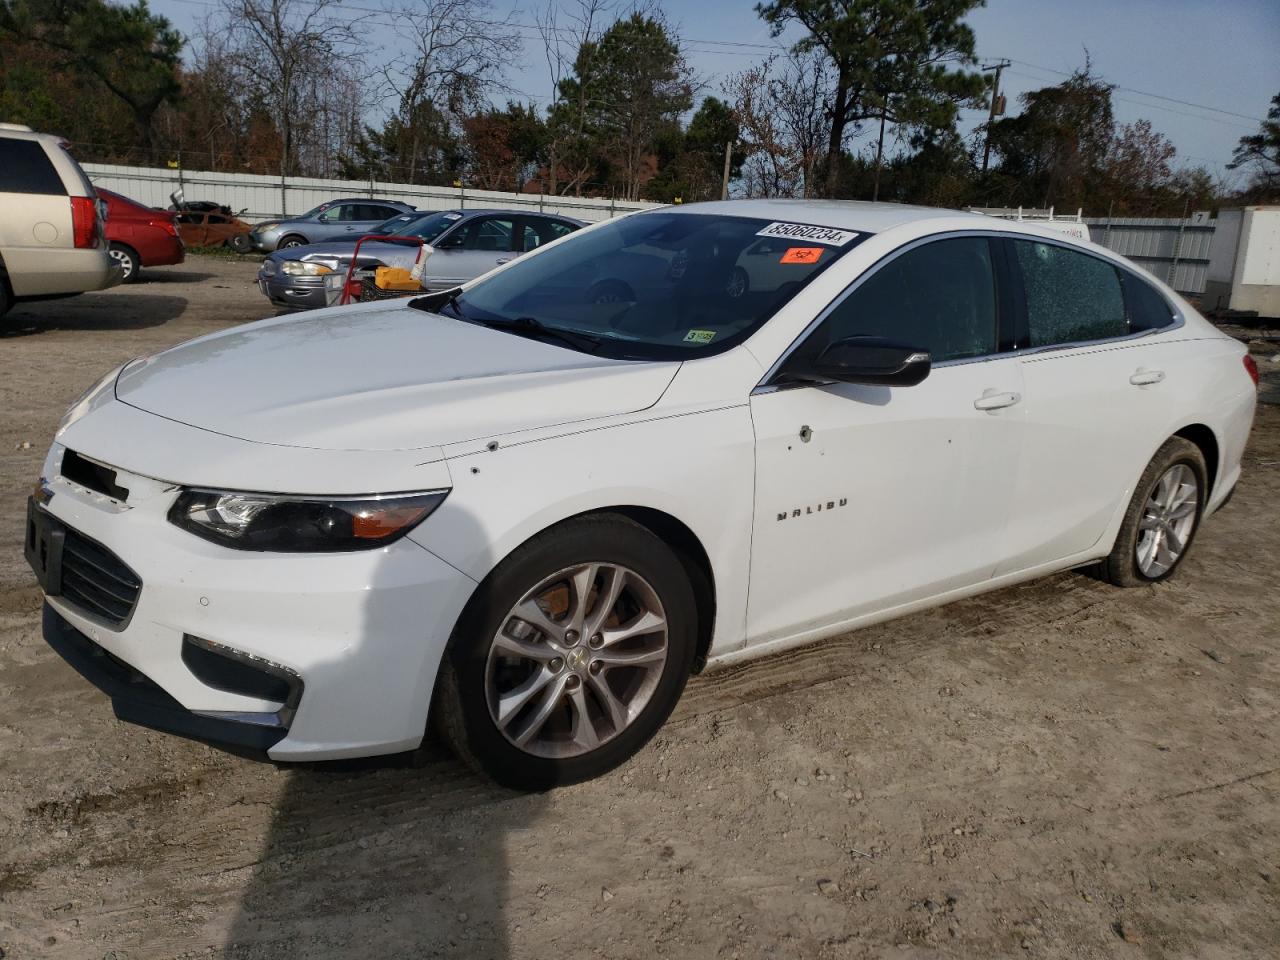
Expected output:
(939, 297)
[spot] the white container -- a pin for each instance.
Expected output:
(1244, 262)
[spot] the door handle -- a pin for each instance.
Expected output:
(995, 401)
(502, 260)
(1141, 377)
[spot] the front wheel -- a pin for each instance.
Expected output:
(1162, 518)
(571, 655)
(128, 260)
(291, 241)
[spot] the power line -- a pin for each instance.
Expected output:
(1158, 96)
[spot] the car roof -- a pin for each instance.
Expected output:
(841, 214)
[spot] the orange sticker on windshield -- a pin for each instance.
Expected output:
(802, 255)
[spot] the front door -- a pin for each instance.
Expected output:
(869, 497)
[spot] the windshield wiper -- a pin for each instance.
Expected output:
(532, 327)
(434, 302)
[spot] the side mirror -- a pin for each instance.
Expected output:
(871, 360)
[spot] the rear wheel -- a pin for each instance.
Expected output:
(127, 257)
(1163, 517)
(6, 295)
(570, 656)
(240, 243)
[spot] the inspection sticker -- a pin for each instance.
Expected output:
(803, 231)
(699, 336)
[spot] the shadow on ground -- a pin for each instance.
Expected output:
(380, 859)
(92, 312)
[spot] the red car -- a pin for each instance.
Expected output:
(139, 236)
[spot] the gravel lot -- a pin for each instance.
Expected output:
(1059, 769)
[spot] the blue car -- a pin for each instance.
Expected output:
(355, 216)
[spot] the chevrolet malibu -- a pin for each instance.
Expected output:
(528, 508)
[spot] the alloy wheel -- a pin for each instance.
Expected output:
(1167, 520)
(576, 660)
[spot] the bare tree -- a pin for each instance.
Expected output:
(292, 50)
(783, 111)
(569, 38)
(455, 62)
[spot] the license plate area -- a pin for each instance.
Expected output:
(43, 547)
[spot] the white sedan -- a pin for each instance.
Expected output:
(530, 508)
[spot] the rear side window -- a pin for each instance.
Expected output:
(539, 230)
(939, 297)
(1071, 296)
(26, 168)
(1148, 309)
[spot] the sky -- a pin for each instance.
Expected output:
(1218, 54)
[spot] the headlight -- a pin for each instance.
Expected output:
(304, 268)
(265, 226)
(287, 524)
(90, 398)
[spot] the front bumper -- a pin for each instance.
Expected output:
(137, 699)
(363, 633)
(307, 292)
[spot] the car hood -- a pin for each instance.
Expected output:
(328, 250)
(382, 377)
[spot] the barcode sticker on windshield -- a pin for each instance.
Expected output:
(804, 231)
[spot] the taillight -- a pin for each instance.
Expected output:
(167, 226)
(84, 221)
(1251, 366)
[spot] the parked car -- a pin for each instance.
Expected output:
(337, 218)
(51, 242)
(464, 244)
(531, 512)
(202, 223)
(140, 236)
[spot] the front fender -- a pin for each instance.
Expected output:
(697, 468)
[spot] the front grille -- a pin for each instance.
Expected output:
(97, 581)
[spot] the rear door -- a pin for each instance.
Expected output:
(1097, 397)
(35, 215)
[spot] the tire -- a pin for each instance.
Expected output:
(1152, 528)
(610, 291)
(240, 243)
(291, 241)
(127, 257)
(6, 295)
(739, 284)
(579, 736)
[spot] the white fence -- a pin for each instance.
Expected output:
(263, 197)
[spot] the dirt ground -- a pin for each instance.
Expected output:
(1060, 769)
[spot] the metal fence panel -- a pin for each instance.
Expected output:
(1171, 249)
(264, 197)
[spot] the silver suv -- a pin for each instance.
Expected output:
(352, 217)
(51, 241)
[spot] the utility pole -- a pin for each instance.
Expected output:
(997, 108)
(724, 181)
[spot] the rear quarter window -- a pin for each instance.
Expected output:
(26, 168)
(1148, 309)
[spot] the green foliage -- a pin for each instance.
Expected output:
(1260, 153)
(126, 52)
(896, 59)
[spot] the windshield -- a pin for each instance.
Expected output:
(312, 213)
(424, 227)
(658, 286)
